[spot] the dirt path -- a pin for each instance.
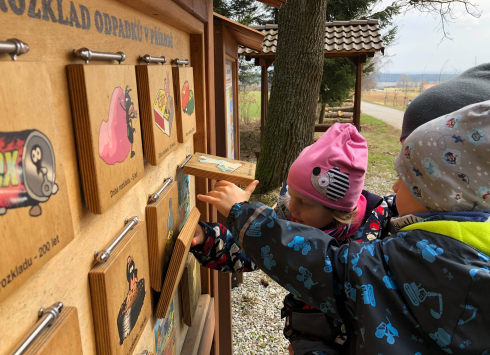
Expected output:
(391, 116)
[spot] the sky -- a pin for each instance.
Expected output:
(419, 48)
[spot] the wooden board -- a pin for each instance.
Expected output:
(121, 297)
(193, 338)
(191, 289)
(34, 220)
(157, 111)
(185, 102)
(177, 263)
(104, 103)
(61, 338)
(65, 276)
(218, 168)
(162, 224)
(208, 333)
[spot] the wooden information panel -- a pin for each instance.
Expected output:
(106, 119)
(185, 102)
(34, 221)
(218, 168)
(120, 295)
(191, 289)
(162, 221)
(177, 263)
(157, 110)
(61, 338)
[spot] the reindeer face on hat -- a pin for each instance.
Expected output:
(332, 183)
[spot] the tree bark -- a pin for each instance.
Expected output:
(298, 70)
(322, 114)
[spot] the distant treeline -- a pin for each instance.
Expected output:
(431, 78)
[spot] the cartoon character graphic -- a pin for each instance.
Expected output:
(408, 152)
(367, 294)
(328, 265)
(429, 251)
(222, 165)
(299, 243)
(306, 277)
(388, 330)
(187, 98)
(451, 123)
(268, 258)
(418, 295)
(27, 171)
(116, 135)
(443, 339)
(350, 291)
(165, 334)
(389, 281)
(163, 109)
(254, 229)
(476, 136)
(131, 307)
(355, 261)
(416, 191)
(333, 184)
(464, 177)
(452, 157)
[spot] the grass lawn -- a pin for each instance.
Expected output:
(383, 143)
(249, 104)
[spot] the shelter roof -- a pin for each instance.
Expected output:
(275, 3)
(246, 36)
(341, 37)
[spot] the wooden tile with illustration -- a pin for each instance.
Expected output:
(157, 111)
(185, 102)
(177, 263)
(162, 225)
(184, 196)
(104, 103)
(61, 338)
(165, 333)
(34, 219)
(218, 168)
(121, 295)
(191, 289)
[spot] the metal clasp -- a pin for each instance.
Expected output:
(87, 55)
(154, 197)
(149, 59)
(14, 47)
(178, 61)
(105, 254)
(181, 166)
(46, 317)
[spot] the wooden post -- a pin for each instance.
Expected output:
(357, 98)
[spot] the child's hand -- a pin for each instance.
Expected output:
(199, 236)
(226, 194)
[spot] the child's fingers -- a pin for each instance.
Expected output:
(222, 183)
(251, 188)
(208, 199)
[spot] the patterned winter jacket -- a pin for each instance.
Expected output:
(422, 290)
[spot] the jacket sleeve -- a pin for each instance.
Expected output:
(220, 252)
(308, 262)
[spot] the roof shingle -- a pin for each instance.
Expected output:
(340, 36)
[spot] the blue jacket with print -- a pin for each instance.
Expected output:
(423, 290)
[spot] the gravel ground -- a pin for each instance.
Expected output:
(257, 323)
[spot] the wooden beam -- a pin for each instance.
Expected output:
(357, 97)
(225, 323)
(168, 12)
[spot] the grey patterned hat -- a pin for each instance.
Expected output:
(445, 163)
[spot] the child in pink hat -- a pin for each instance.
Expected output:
(325, 192)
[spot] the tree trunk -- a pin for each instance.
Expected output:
(322, 114)
(298, 70)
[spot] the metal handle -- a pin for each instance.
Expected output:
(181, 166)
(87, 55)
(156, 195)
(149, 59)
(103, 255)
(178, 61)
(46, 317)
(14, 47)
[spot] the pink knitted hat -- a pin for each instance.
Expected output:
(332, 170)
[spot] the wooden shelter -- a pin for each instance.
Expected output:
(356, 40)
